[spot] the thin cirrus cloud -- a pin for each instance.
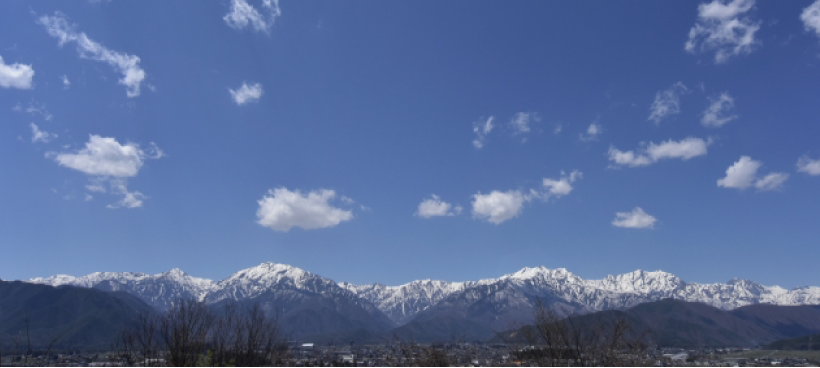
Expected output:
(282, 209)
(497, 206)
(243, 14)
(520, 122)
(38, 135)
(16, 75)
(482, 128)
(811, 18)
(716, 114)
(246, 93)
(648, 154)
(667, 102)
(807, 165)
(743, 174)
(110, 163)
(723, 27)
(435, 207)
(58, 27)
(593, 132)
(635, 219)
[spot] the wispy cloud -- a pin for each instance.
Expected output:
(129, 199)
(132, 75)
(281, 209)
(715, 115)
(635, 219)
(16, 75)
(35, 109)
(648, 154)
(667, 102)
(38, 135)
(246, 93)
(593, 131)
(243, 14)
(723, 27)
(520, 123)
(481, 129)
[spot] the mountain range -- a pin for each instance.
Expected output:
(63, 317)
(311, 305)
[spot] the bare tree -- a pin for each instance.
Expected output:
(184, 331)
(581, 341)
(191, 333)
(140, 345)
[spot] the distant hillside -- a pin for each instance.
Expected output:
(673, 322)
(84, 318)
(809, 342)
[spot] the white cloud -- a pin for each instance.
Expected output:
(666, 102)
(592, 133)
(773, 181)
(15, 75)
(38, 135)
(107, 157)
(497, 206)
(636, 219)
(434, 206)
(66, 82)
(807, 165)
(281, 209)
(558, 128)
(520, 122)
(481, 129)
(129, 199)
(560, 187)
(648, 154)
(132, 75)
(246, 93)
(722, 27)
(243, 14)
(811, 17)
(109, 162)
(714, 116)
(743, 174)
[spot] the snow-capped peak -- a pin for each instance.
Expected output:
(254, 281)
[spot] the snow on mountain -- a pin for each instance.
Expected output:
(403, 302)
(254, 281)
(160, 291)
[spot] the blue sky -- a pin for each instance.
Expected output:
(602, 137)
